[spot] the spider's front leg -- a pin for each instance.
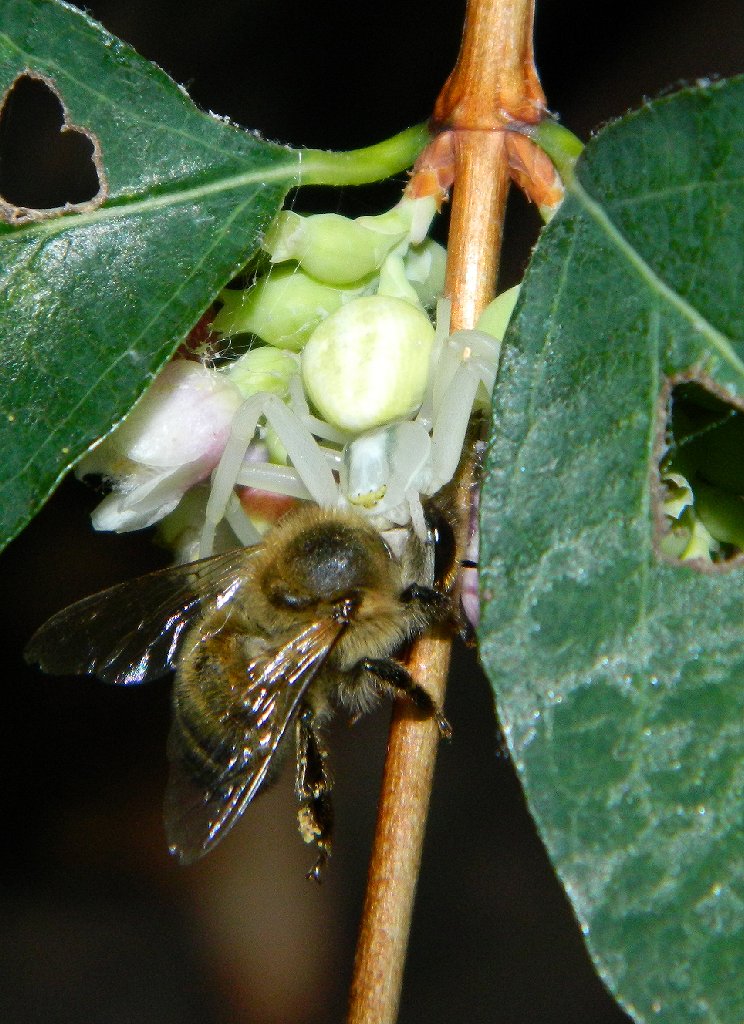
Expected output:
(310, 476)
(474, 354)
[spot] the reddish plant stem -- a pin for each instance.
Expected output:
(494, 84)
(404, 800)
(412, 747)
(476, 223)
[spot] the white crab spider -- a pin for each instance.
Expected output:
(382, 472)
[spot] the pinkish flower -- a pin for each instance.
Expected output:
(172, 439)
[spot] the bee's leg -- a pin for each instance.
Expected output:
(441, 608)
(392, 674)
(427, 597)
(436, 605)
(313, 787)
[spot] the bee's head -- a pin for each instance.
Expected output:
(325, 557)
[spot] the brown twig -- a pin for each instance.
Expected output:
(493, 85)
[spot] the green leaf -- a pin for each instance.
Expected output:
(96, 301)
(97, 297)
(619, 676)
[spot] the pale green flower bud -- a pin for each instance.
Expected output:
(721, 513)
(496, 316)
(698, 521)
(282, 308)
(339, 251)
(368, 363)
(678, 494)
(410, 218)
(425, 266)
(700, 543)
(393, 281)
(331, 248)
(263, 369)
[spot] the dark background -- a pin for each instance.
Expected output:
(98, 925)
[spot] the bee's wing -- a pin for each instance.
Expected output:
(130, 633)
(210, 787)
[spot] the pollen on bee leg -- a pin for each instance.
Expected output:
(315, 813)
(309, 828)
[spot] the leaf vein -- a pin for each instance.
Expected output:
(111, 369)
(715, 338)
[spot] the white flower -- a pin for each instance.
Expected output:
(171, 440)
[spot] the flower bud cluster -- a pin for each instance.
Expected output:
(343, 308)
(703, 522)
(350, 296)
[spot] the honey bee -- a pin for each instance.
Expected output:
(265, 640)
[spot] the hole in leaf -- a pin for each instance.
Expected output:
(47, 165)
(702, 478)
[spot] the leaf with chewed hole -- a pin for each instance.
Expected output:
(47, 165)
(98, 295)
(619, 674)
(101, 282)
